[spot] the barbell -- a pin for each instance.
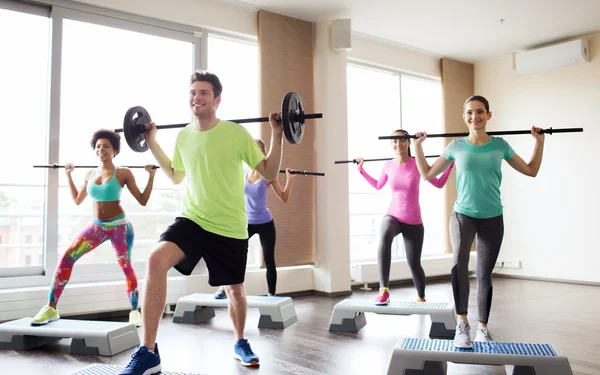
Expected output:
(56, 166)
(305, 173)
(292, 119)
(500, 132)
(384, 159)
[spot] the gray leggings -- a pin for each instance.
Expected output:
(413, 243)
(489, 238)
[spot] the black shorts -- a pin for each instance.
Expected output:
(225, 257)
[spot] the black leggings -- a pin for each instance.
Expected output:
(267, 235)
(489, 232)
(413, 244)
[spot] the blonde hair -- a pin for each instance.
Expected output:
(261, 144)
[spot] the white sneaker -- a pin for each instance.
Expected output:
(220, 294)
(462, 337)
(483, 334)
(135, 317)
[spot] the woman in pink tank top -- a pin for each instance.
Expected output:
(403, 214)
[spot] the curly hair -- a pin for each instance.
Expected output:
(113, 137)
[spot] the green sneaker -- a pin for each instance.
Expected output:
(47, 314)
(135, 317)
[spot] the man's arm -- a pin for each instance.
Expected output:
(161, 158)
(269, 167)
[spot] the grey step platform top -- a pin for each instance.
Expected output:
(101, 369)
(253, 301)
(545, 350)
(88, 336)
(394, 307)
(62, 327)
(275, 312)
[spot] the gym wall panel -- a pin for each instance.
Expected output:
(458, 84)
(286, 64)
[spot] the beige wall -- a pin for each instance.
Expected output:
(458, 83)
(282, 70)
(551, 222)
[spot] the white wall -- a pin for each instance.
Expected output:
(211, 14)
(551, 222)
(393, 56)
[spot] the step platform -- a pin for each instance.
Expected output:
(99, 369)
(349, 315)
(417, 356)
(275, 312)
(89, 336)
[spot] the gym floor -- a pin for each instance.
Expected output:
(563, 315)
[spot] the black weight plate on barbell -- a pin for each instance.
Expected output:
(292, 117)
(134, 117)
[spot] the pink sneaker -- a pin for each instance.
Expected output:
(383, 298)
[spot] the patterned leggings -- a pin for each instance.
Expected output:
(120, 232)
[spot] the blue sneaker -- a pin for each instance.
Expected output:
(143, 362)
(243, 352)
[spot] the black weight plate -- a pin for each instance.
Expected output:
(292, 118)
(135, 118)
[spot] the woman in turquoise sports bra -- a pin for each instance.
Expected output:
(104, 185)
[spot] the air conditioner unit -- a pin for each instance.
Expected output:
(555, 56)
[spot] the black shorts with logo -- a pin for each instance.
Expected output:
(225, 257)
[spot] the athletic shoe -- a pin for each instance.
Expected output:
(47, 314)
(419, 299)
(462, 337)
(243, 353)
(143, 362)
(135, 317)
(220, 294)
(383, 298)
(483, 334)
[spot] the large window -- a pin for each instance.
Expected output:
(235, 62)
(71, 73)
(24, 77)
(421, 99)
(102, 76)
(380, 102)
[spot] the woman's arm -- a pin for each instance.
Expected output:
(426, 171)
(533, 167)
(142, 198)
(440, 182)
(283, 194)
(377, 184)
(78, 196)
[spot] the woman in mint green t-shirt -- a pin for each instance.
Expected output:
(478, 207)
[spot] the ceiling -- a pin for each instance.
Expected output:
(466, 30)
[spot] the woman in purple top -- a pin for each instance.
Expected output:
(260, 220)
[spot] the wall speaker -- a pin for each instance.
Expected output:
(341, 35)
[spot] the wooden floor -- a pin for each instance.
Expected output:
(566, 316)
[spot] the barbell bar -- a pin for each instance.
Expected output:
(500, 132)
(384, 159)
(305, 173)
(56, 166)
(292, 119)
